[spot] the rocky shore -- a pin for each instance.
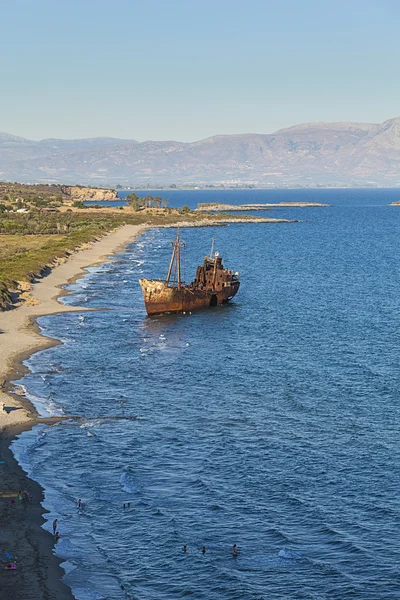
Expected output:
(227, 221)
(216, 207)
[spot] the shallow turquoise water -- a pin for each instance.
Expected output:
(272, 423)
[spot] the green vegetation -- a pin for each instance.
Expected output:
(137, 203)
(78, 204)
(30, 242)
(18, 195)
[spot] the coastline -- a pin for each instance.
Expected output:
(20, 336)
(39, 574)
(39, 571)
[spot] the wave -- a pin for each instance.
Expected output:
(289, 554)
(45, 406)
(278, 535)
(346, 546)
(128, 482)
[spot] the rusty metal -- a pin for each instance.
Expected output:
(212, 285)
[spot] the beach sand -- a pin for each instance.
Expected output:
(38, 574)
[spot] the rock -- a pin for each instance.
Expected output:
(24, 286)
(77, 192)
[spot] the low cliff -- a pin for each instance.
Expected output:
(77, 192)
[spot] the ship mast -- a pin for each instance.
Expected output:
(171, 263)
(175, 258)
(178, 258)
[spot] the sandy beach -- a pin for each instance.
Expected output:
(38, 574)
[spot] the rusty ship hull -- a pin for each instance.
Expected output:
(161, 298)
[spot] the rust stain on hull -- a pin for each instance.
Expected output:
(160, 298)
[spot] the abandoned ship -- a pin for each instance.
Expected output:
(212, 285)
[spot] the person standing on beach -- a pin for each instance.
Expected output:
(54, 526)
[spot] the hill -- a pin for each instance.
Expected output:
(307, 154)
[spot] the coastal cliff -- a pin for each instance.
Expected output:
(76, 192)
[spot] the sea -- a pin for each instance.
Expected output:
(272, 423)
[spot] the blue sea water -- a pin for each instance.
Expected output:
(272, 423)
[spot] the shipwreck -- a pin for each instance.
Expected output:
(212, 285)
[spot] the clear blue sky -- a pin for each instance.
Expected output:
(188, 69)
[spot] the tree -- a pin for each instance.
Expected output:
(134, 201)
(185, 209)
(10, 197)
(157, 201)
(164, 202)
(131, 197)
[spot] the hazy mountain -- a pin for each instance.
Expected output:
(307, 154)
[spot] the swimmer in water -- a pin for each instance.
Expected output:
(185, 548)
(235, 551)
(79, 503)
(203, 549)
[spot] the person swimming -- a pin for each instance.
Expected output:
(203, 549)
(235, 551)
(185, 548)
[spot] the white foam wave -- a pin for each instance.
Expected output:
(46, 407)
(127, 483)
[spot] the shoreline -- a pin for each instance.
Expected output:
(39, 572)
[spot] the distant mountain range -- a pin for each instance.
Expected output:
(308, 154)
